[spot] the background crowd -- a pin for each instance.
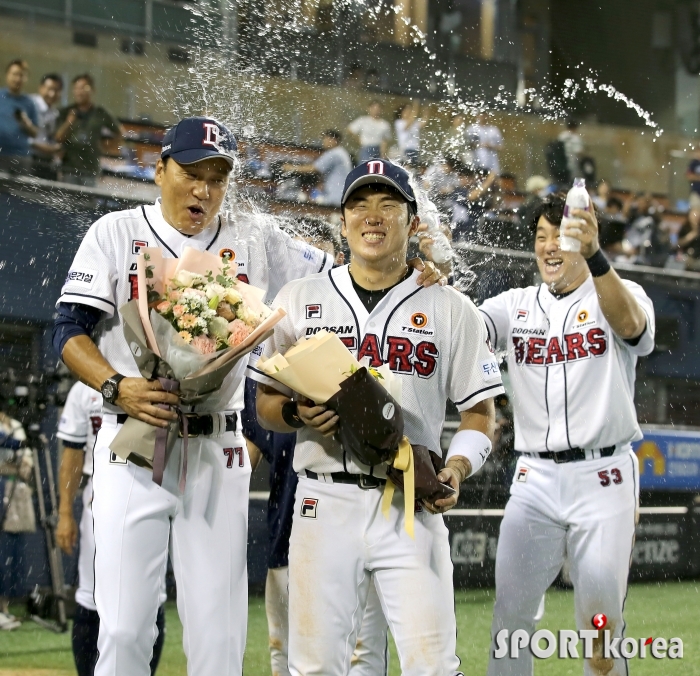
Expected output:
(465, 180)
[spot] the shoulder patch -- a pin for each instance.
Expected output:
(83, 277)
(490, 371)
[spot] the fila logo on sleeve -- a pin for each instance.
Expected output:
(137, 245)
(308, 508)
(313, 311)
(375, 167)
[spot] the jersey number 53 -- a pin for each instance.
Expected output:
(605, 476)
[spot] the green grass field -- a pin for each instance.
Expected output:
(667, 610)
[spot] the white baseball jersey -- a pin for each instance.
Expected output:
(434, 333)
(103, 273)
(81, 419)
(572, 377)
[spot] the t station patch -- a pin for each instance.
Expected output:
(308, 508)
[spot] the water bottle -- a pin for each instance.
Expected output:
(576, 198)
(441, 250)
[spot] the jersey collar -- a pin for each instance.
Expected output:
(547, 298)
(171, 239)
(340, 277)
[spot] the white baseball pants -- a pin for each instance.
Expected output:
(85, 593)
(342, 544)
(371, 656)
(206, 529)
(584, 511)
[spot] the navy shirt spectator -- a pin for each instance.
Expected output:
(18, 117)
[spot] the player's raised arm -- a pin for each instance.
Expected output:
(619, 306)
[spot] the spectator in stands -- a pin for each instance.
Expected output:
(407, 127)
(613, 223)
(80, 128)
(645, 239)
(693, 175)
(333, 166)
(372, 80)
(615, 210)
(372, 132)
(440, 180)
(18, 119)
(44, 147)
(470, 200)
(459, 145)
(689, 240)
(536, 188)
(489, 142)
(601, 195)
(573, 147)
(356, 77)
(319, 233)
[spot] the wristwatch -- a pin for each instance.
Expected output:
(110, 388)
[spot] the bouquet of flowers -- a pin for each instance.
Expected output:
(190, 325)
(370, 420)
(209, 313)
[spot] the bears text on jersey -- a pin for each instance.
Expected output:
(540, 351)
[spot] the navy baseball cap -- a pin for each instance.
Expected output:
(198, 138)
(379, 171)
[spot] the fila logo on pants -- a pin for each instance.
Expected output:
(308, 508)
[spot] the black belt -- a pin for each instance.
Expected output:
(571, 454)
(197, 425)
(364, 481)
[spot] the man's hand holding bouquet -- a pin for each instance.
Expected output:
(190, 326)
(362, 407)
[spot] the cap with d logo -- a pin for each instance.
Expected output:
(379, 171)
(198, 138)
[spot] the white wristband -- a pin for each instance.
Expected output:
(473, 445)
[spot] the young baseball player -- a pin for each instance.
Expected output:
(135, 520)
(80, 421)
(371, 652)
(572, 345)
(341, 543)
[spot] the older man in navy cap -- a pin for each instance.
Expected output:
(136, 522)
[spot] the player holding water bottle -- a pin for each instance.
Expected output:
(572, 345)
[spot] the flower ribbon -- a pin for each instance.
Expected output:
(161, 445)
(403, 461)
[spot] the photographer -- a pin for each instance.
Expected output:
(18, 119)
(18, 517)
